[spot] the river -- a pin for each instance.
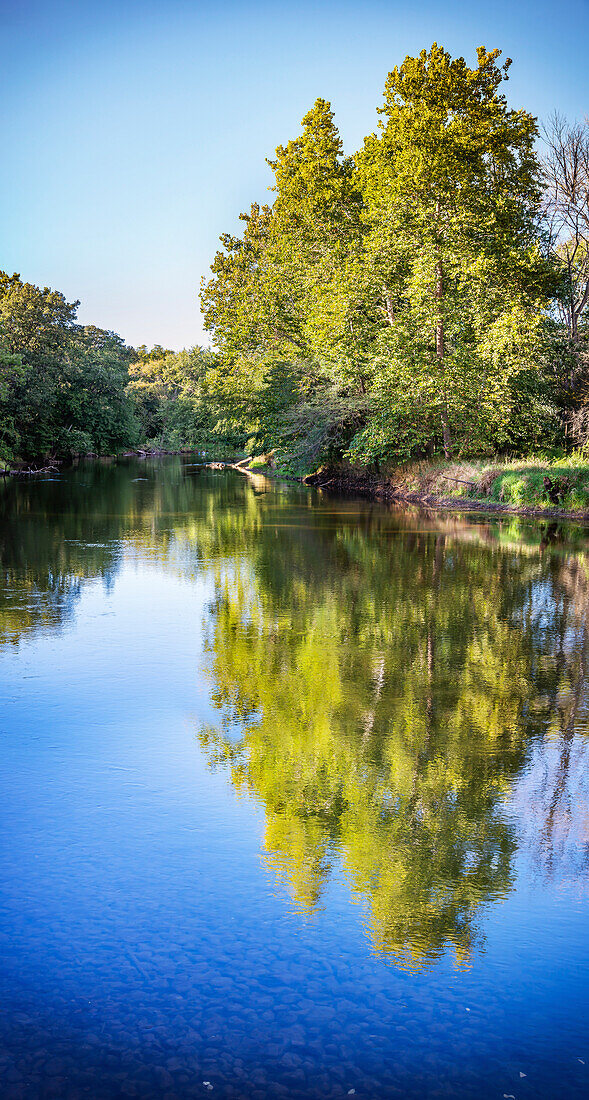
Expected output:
(294, 793)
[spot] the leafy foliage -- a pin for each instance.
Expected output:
(62, 385)
(168, 391)
(407, 287)
(67, 388)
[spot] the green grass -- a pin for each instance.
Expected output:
(525, 487)
(515, 482)
(519, 483)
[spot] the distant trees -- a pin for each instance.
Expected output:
(67, 388)
(62, 385)
(171, 399)
(35, 326)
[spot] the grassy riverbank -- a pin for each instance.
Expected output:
(542, 486)
(525, 484)
(532, 483)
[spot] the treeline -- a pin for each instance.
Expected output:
(425, 295)
(69, 389)
(62, 385)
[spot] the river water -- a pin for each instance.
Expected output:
(294, 794)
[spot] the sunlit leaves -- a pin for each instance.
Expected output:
(407, 282)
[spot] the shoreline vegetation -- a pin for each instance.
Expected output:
(531, 488)
(528, 487)
(557, 489)
(408, 322)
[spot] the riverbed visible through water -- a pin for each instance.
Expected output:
(294, 793)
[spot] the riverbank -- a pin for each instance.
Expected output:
(19, 467)
(525, 487)
(533, 487)
(528, 487)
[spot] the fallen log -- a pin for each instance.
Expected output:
(461, 480)
(33, 470)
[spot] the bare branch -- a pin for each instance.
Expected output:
(565, 169)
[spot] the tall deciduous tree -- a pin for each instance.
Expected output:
(451, 196)
(267, 284)
(36, 325)
(401, 290)
(274, 304)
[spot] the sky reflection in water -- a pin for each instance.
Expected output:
(295, 794)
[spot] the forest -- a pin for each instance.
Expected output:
(425, 296)
(68, 389)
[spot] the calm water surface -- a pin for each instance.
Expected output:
(294, 794)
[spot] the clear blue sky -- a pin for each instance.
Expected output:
(133, 133)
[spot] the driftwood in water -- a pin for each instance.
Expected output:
(32, 470)
(229, 465)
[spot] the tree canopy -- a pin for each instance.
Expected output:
(68, 389)
(398, 301)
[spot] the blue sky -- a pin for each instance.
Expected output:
(133, 133)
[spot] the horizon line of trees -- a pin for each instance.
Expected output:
(427, 295)
(68, 389)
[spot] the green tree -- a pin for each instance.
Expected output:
(403, 291)
(93, 411)
(172, 395)
(62, 385)
(12, 373)
(451, 194)
(272, 298)
(36, 325)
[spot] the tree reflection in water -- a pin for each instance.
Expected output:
(384, 700)
(406, 695)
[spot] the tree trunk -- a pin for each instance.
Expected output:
(440, 354)
(573, 311)
(388, 305)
